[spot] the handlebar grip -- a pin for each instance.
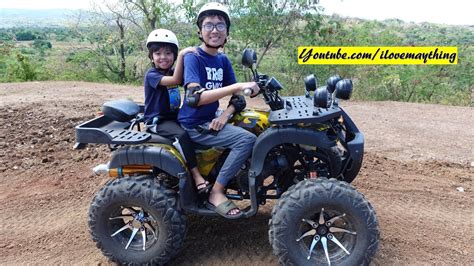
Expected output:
(248, 91)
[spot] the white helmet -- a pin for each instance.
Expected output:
(162, 36)
(214, 8)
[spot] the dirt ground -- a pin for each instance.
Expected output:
(418, 174)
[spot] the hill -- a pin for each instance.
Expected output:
(10, 17)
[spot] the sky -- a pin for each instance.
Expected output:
(45, 4)
(454, 12)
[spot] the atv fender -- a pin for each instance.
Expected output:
(355, 146)
(165, 158)
(161, 156)
(276, 136)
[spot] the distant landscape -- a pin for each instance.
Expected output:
(10, 18)
(62, 44)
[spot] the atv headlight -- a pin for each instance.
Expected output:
(331, 82)
(310, 83)
(273, 84)
(344, 89)
(322, 97)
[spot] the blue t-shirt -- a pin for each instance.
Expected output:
(160, 101)
(211, 72)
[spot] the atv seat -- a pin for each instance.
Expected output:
(159, 139)
(162, 140)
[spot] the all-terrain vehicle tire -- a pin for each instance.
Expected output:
(134, 220)
(320, 212)
(334, 159)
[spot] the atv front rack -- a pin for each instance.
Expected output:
(103, 130)
(299, 109)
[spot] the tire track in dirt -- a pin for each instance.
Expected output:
(419, 209)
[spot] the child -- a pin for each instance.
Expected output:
(208, 77)
(162, 98)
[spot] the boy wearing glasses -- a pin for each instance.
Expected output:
(208, 77)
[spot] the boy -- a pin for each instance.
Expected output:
(162, 98)
(208, 77)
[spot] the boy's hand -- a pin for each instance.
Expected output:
(250, 85)
(219, 122)
(188, 50)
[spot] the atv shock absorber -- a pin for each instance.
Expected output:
(312, 174)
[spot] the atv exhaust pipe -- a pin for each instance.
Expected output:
(127, 170)
(101, 169)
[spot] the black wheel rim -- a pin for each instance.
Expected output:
(133, 227)
(328, 236)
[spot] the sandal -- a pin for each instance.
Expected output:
(204, 188)
(224, 208)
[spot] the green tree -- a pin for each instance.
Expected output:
(24, 70)
(107, 30)
(42, 44)
(268, 24)
(148, 15)
(26, 35)
(118, 32)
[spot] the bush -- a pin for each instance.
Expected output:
(26, 36)
(42, 44)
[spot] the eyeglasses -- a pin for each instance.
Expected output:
(219, 27)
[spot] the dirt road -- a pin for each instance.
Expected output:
(418, 173)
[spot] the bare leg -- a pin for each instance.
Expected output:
(198, 179)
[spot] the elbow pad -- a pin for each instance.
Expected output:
(238, 101)
(193, 94)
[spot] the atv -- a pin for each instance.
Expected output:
(307, 152)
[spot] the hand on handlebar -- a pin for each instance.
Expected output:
(250, 88)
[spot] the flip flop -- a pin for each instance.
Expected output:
(224, 208)
(204, 190)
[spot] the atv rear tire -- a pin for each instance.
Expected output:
(137, 203)
(299, 211)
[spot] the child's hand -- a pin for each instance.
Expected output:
(188, 50)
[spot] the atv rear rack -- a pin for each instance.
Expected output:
(103, 130)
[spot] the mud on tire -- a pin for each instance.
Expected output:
(335, 199)
(112, 208)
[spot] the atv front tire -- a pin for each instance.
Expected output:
(135, 221)
(323, 221)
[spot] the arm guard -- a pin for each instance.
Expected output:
(238, 101)
(193, 94)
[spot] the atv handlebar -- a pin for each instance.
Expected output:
(269, 87)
